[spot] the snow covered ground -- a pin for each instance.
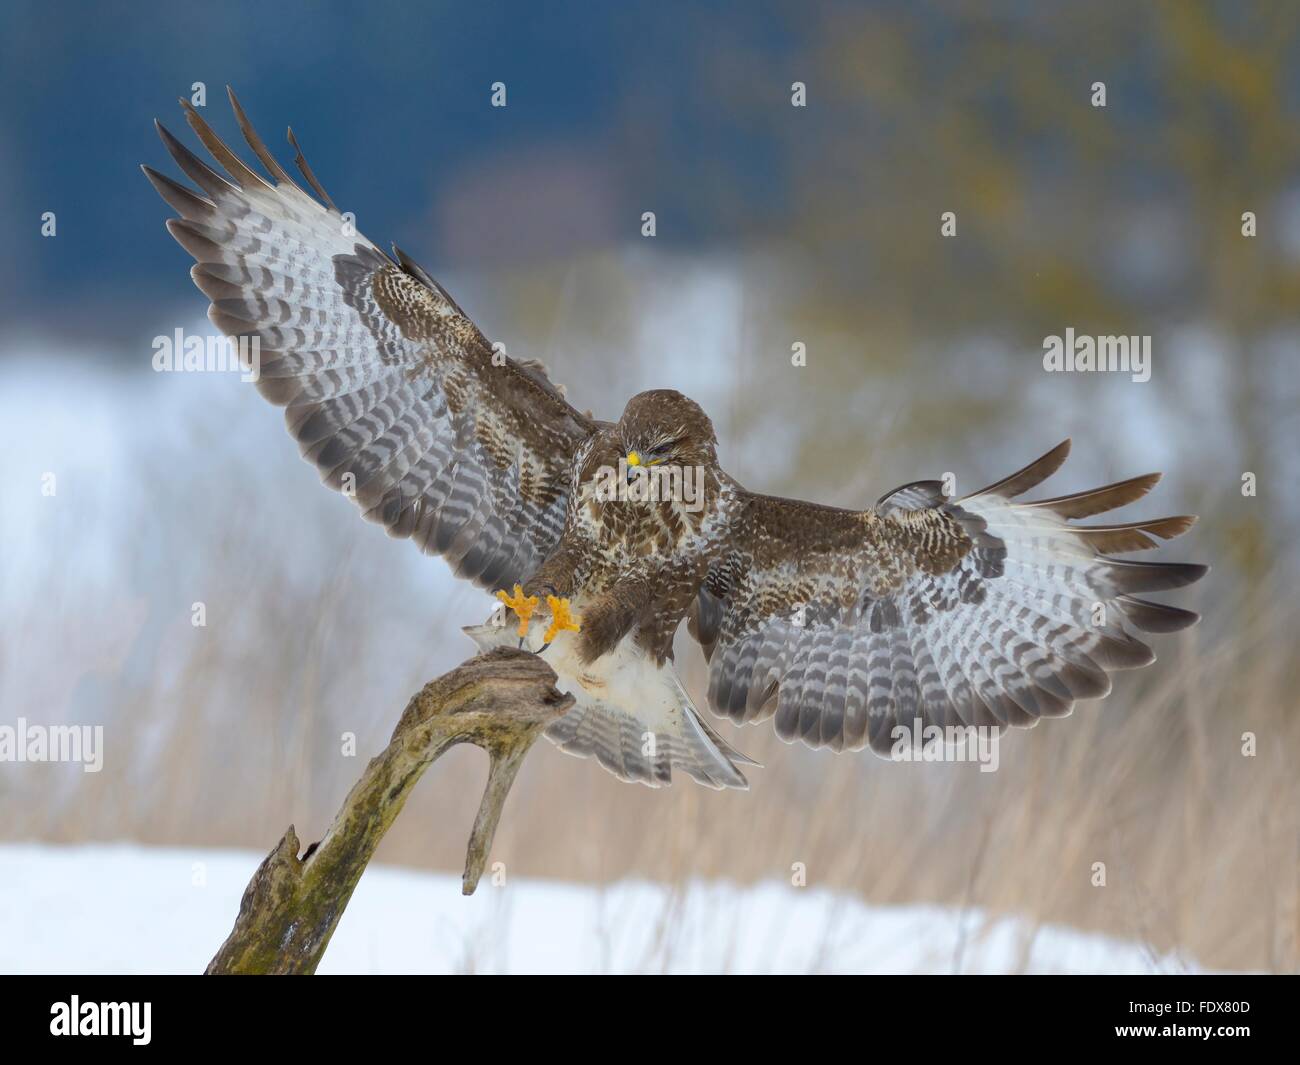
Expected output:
(130, 909)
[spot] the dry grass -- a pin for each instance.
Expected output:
(224, 735)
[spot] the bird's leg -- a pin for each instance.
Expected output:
(523, 607)
(609, 617)
(562, 620)
(556, 579)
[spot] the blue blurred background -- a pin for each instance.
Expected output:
(609, 106)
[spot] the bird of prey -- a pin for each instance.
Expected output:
(840, 625)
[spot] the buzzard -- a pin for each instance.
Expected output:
(840, 625)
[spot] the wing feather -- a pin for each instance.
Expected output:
(389, 388)
(845, 625)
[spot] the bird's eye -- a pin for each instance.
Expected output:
(663, 450)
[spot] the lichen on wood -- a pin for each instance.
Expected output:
(499, 701)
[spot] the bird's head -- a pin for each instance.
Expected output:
(664, 427)
(654, 474)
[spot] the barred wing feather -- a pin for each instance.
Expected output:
(389, 388)
(979, 611)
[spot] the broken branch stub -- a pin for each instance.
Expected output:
(499, 701)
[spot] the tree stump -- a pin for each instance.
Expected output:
(499, 701)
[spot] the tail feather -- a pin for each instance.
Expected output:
(665, 733)
(620, 743)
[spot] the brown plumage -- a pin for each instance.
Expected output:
(841, 625)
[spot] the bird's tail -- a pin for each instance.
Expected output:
(625, 746)
(665, 733)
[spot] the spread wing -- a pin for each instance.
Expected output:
(976, 611)
(389, 388)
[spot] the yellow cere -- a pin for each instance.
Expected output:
(633, 459)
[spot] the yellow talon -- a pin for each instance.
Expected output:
(562, 620)
(522, 605)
